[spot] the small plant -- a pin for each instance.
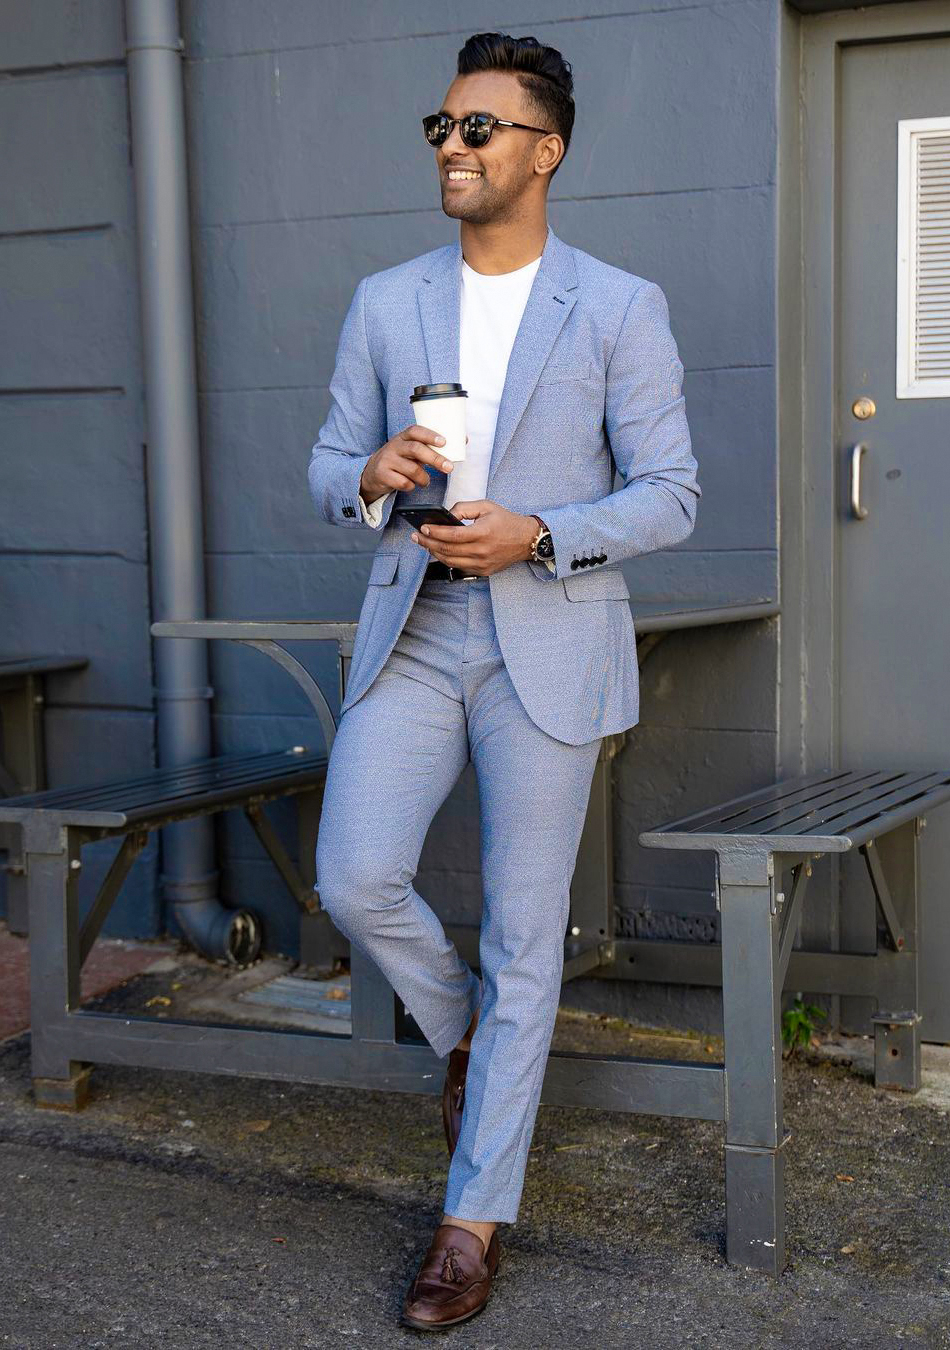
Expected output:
(798, 1024)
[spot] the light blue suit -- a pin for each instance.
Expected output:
(594, 373)
(509, 671)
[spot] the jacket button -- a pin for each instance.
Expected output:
(574, 564)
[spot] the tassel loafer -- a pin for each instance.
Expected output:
(454, 1280)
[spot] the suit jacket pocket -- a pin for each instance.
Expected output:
(609, 584)
(557, 374)
(383, 569)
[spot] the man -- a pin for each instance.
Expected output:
(506, 640)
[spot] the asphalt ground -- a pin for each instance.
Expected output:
(191, 1210)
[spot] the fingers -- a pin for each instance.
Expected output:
(450, 534)
(455, 559)
(453, 552)
(401, 460)
(422, 443)
(472, 510)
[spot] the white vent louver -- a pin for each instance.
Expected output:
(923, 258)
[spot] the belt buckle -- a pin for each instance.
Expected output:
(456, 574)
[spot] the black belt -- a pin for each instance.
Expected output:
(440, 571)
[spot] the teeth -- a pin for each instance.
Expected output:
(460, 175)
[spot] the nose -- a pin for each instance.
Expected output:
(454, 134)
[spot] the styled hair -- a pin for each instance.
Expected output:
(542, 72)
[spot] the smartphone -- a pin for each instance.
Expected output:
(427, 515)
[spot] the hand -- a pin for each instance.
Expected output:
(398, 463)
(498, 538)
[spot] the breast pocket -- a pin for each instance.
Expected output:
(561, 374)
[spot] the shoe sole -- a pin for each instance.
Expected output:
(442, 1326)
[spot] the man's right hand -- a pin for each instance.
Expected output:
(399, 463)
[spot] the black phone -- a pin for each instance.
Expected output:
(427, 515)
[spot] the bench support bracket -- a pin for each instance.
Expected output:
(883, 894)
(132, 846)
(262, 827)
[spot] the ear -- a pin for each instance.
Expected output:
(549, 154)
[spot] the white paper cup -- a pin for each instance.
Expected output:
(441, 408)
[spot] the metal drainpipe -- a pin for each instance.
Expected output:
(153, 60)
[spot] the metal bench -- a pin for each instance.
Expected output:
(22, 754)
(756, 838)
(55, 825)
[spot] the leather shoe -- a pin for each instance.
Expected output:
(453, 1096)
(454, 1280)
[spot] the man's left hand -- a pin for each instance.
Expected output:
(498, 538)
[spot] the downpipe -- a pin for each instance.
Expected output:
(173, 468)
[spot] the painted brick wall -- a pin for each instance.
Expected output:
(73, 531)
(308, 170)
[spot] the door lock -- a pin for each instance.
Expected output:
(862, 408)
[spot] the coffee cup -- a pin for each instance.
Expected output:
(441, 408)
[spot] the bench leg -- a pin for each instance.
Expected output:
(755, 1140)
(893, 861)
(58, 1081)
(592, 886)
(372, 1000)
(321, 944)
(17, 912)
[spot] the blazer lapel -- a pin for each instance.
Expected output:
(439, 295)
(550, 300)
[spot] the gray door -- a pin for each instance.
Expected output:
(893, 573)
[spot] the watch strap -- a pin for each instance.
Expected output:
(543, 529)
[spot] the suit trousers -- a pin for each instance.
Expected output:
(444, 698)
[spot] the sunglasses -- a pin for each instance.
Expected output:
(475, 128)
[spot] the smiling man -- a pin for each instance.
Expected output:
(506, 641)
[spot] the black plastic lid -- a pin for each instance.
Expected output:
(437, 391)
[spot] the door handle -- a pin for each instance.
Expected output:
(857, 510)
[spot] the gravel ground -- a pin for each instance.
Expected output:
(211, 1211)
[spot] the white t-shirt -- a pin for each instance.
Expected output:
(490, 314)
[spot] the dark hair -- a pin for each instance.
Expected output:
(542, 72)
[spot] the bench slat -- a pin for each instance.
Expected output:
(791, 797)
(205, 782)
(299, 766)
(901, 794)
(152, 780)
(712, 816)
(818, 807)
(834, 810)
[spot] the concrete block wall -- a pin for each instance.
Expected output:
(308, 170)
(73, 528)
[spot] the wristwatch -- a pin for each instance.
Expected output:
(542, 546)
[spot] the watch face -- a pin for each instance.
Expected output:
(545, 546)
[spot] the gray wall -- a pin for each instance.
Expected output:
(73, 535)
(671, 174)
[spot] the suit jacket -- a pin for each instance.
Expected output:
(594, 382)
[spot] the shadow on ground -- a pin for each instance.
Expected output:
(215, 1211)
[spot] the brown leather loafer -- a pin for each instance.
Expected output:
(454, 1280)
(453, 1096)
